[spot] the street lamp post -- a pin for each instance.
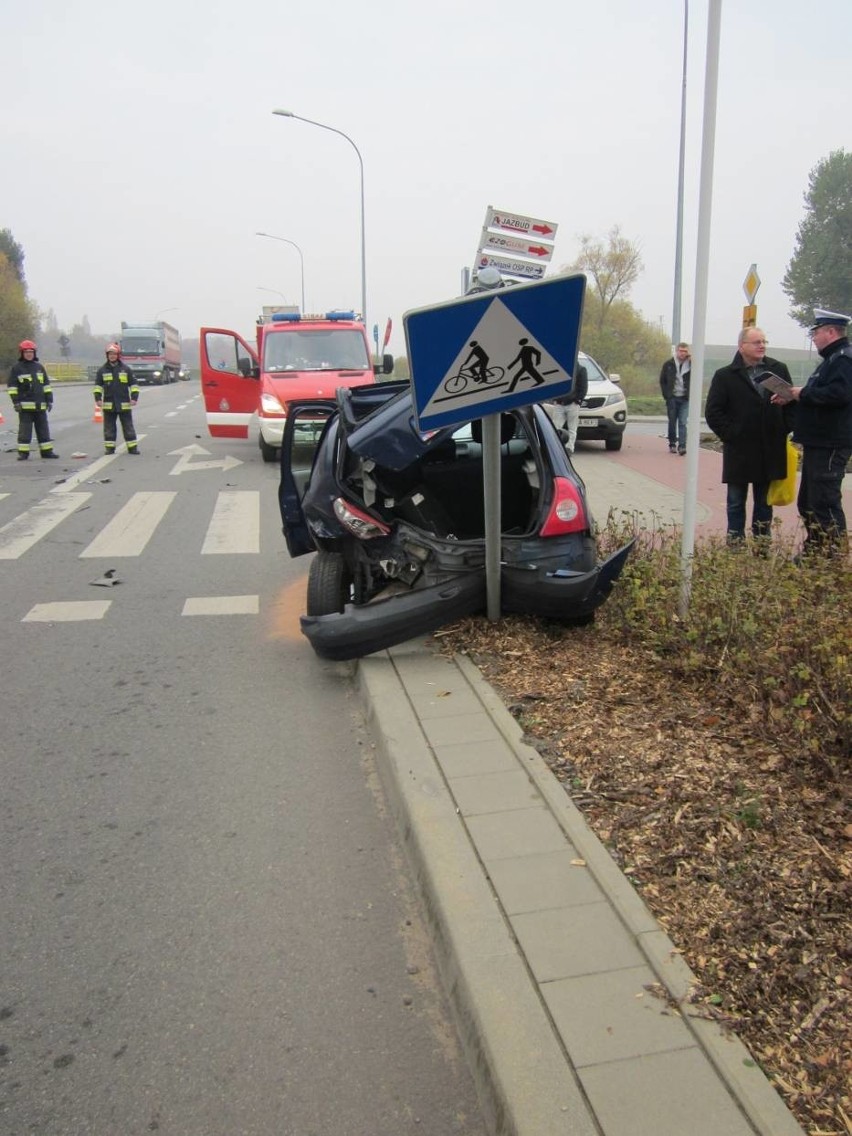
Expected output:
(678, 270)
(163, 311)
(334, 130)
(287, 241)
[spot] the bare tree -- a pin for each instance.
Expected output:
(613, 268)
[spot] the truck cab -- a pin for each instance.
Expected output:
(298, 357)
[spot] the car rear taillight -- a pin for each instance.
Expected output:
(358, 522)
(567, 512)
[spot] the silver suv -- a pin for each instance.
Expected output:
(603, 412)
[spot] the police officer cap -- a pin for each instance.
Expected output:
(829, 319)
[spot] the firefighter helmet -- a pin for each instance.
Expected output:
(112, 347)
(26, 345)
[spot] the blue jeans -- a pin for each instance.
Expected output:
(677, 410)
(761, 513)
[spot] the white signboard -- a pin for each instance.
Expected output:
(510, 267)
(523, 226)
(499, 244)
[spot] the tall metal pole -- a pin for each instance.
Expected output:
(334, 130)
(287, 241)
(699, 319)
(678, 268)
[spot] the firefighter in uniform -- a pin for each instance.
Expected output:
(116, 393)
(32, 398)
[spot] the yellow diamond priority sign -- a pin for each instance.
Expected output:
(751, 284)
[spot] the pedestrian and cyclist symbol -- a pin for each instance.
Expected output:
(477, 369)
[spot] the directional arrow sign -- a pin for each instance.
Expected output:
(185, 463)
(497, 243)
(522, 226)
(527, 269)
(493, 351)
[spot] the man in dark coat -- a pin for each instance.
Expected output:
(674, 387)
(753, 431)
(824, 428)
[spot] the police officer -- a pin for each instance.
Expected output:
(823, 427)
(32, 398)
(116, 393)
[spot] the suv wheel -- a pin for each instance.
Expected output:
(614, 441)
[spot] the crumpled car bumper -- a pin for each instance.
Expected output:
(559, 593)
(555, 593)
(361, 630)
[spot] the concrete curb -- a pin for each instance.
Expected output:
(524, 1075)
(745, 1080)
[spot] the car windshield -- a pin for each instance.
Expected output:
(593, 371)
(140, 345)
(338, 349)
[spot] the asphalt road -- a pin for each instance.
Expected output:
(207, 927)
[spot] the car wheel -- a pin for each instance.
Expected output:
(267, 452)
(329, 582)
(614, 442)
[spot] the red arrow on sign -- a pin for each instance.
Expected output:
(537, 250)
(543, 229)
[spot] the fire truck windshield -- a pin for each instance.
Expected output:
(337, 349)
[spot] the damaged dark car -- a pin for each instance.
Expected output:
(395, 518)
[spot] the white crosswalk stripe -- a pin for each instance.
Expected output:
(19, 535)
(132, 526)
(235, 524)
(233, 529)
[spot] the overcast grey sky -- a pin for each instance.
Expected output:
(140, 154)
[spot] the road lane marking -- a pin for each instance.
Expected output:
(88, 472)
(132, 527)
(72, 611)
(235, 524)
(25, 530)
(221, 605)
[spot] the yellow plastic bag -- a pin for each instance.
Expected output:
(783, 491)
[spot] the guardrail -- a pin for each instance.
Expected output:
(67, 372)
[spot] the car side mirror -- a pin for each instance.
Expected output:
(386, 365)
(615, 378)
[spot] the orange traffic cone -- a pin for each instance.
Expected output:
(99, 414)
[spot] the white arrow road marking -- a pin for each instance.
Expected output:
(187, 453)
(24, 531)
(132, 526)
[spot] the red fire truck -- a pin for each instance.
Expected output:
(297, 357)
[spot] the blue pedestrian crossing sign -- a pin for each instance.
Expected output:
(495, 350)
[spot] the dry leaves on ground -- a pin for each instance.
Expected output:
(745, 860)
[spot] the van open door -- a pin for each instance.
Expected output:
(230, 382)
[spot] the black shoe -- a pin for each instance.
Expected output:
(133, 453)
(22, 457)
(50, 454)
(672, 449)
(681, 452)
